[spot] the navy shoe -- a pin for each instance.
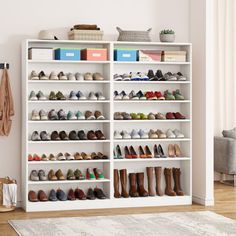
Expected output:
(81, 96)
(53, 196)
(61, 195)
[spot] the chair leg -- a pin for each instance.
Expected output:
(234, 180)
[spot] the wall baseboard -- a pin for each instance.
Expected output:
(203, 201)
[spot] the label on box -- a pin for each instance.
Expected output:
(126, 55)
(70, 54)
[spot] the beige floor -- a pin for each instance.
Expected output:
(225, 204)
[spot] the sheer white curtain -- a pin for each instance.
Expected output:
(225, 64)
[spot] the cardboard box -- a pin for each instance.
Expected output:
(40, 53)
(94, 54)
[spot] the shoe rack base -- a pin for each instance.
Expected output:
(107, 107)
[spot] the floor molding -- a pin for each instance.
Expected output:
(203, 201)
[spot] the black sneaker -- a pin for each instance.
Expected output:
(160, 76)
(151, 75)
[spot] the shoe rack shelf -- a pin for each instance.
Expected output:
(108, 107)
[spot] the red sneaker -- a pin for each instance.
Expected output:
(150, 96)
(170, 115)
(30, 158)
(159, 95)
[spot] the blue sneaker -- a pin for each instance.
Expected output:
(81, 96)
(73, 96)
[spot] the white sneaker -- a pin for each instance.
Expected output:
(79, 76)
(117, 96)
(134, 134)
(34, 76)
(178, 134)
(35, 115)
(71, 76)
(125, 77)
(117, 135)
(170, 134)
(53, 76)
(92, 96)
(43, 115)
(117, 77)
(61, 157)
(125, 134)
(143, 134)
(69, 157)
(135, 76)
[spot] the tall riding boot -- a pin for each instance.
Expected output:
(116, 184)
(158, 171)
(140, 181)
(150, 175)
(123, 180)
(133, 185)
(168, 176)
(177, 186)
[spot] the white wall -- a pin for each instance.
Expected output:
(23, 19)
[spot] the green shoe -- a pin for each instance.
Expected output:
(98, 173)
(70, 175)
(90, 175)
(168, 95)
(78, 175)
(52, 96)
(80, 115)
(143, 116)
(135, 116)
(60, 96)
(71, 116)
(178, 95)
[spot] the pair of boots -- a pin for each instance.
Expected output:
(151, 180)
(136, 184)
(168, 178)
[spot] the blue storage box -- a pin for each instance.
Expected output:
(70, 54)
(125, 55)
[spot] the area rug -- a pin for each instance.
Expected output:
(164, 224)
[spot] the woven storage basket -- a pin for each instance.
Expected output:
(134, 36)
(6, 180)
(93, 35)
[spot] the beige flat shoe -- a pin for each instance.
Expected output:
(160, 134)
(152, 134)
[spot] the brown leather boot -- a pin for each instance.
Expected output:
(140, 180)
(150, 175)
(177, 186)
(158, 171)
(133, 185)
(116, 184)
(124, 181)
(168, 176)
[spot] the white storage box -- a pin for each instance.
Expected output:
(174, 56)
(41, 53)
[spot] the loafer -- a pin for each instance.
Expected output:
(70, 175)
(101, 156)
(32, 96)
(35, 115)
(92, 96)
(42, 196)
(62, 115)
(98, 115)
(52, 96)
(73, 96)
(99, 193)
(134, 134)
(79, 194)
(42, 76)
(73, 135)
(40, 95)
(88, 76)
(80, 115)
(52, 196)
(100, 135)
(89, 115)
(90, 194)
(34, 175)
(170, 116)
(100, 96)
(178, 115)
(170, 134)
(71, 116)
(35, 136)
(90, 174)
(79, 76)
(97, 76)
(43, 115)
(60, 96)
(81, 96)
(52, 176)
(152, 134)
(53, 76)
(32, 196)
(125, 134)
(61, 196)
(63, 136)
(59, 175)
(33, 75)
(71, 195)
(78, 175)
(62, 76)
(91, 135)
(117, 135)
(82, 135)
(55, 136)
(42, 175)
(45, 136)
(52, 115)
(178, 133)
(71, 76)
(160, 116)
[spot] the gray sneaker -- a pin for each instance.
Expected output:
(79, 76)
(71, 76)
(35, 115)
(34, 175)
(43, 115)
(41, 96)
(42, 175)
(45, 136)
(92, 96)
(34, 76)
(35, 136)
(52, 115)
(32, 96)
(100, 96)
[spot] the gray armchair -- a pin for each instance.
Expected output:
(225, 156)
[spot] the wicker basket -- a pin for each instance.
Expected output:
(6, 180)
(93, 35)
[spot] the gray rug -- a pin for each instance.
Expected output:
(177, 223)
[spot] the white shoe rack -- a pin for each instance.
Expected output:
(108, 107)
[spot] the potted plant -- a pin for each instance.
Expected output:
(167, 36)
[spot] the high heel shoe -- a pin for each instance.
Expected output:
(148, 152)
(160, 150)
(141, 153)
(157, 154)
(132, 152)
(119, 153)
(171, 150)
(127, 153)
(178, 152)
